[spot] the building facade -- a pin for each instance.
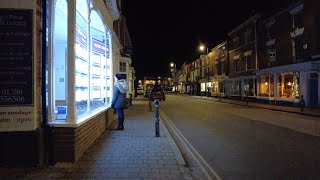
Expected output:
(65, 96)
(243, 59)
(290, 56)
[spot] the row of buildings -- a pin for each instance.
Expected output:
(58, 60)
(271, 58)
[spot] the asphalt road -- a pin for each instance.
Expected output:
(238, 142)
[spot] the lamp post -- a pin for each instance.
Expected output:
(202, 48)
(173, 70)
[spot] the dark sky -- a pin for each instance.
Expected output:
(170, 30)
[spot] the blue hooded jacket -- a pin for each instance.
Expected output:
(119, 94)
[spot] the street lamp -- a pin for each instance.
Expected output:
(202, 48)
(173, 70)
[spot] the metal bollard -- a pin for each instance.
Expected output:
(302, 104)
(156, 117)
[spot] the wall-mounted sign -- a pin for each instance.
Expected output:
(17, 118)
(272, 54)
(16, 57)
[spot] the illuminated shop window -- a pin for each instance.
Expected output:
(215, 87)
(82, 59)
(203, 87)
(93, 60)
(264, 84)
(288, 85)
(60, 58)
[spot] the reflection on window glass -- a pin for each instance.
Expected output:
(60, 40)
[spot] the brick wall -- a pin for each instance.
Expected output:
(69, 144)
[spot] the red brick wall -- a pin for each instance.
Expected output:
(69, 144)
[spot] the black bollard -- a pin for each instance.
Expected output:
(302, 103)
(156, 117)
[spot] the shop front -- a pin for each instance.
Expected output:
(285, 85)
(241, 87)
(219, 86)
(80, 77)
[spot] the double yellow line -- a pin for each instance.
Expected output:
(205, 167)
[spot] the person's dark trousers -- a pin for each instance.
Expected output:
(120, 114)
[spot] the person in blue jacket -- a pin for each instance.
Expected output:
(119, 100)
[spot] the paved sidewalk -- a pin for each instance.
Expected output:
(134, 153)
(297, 110)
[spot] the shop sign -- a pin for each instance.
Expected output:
(16, 57)
(272, 54)
(17, 119)
(98, 46)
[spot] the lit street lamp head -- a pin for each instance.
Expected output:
(201, 47)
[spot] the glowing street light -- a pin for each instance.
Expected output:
(173, 70)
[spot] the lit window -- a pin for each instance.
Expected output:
(92, 61)
(288, 85)
(59, 59)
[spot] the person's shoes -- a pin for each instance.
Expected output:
(117, 129)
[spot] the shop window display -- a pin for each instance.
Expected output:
(215, 87)
(203, 87)
(288, 85)
(93, 60)
(208, 86)
(82, 59)
(264, 85)
(59, 57)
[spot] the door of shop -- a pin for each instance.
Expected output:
(313, 91)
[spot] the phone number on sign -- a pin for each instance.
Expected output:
(11, 92)
(12, 99)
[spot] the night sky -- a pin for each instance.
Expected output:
(171, 30)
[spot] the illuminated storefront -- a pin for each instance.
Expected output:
(83, 86)
(284, 85)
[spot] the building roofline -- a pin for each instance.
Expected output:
(280, 12)
(251, 19)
